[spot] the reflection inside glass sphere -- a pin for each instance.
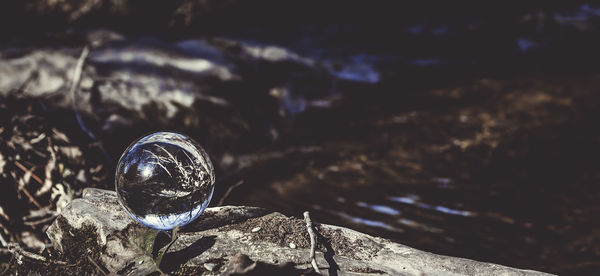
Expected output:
(164, 179)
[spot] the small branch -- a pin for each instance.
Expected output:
(73, 91)
(3, 214)
(222, 200)
(31, 198)
(33, 175)
(313, 242)
(47, 185)
(40, 221)
(3, 241)
(96, 265)
(24, 189)
(75, 84)
(19, 253)
(162, 252)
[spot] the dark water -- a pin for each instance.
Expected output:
(496, 170)
(442, 158)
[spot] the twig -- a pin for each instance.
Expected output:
(41, 221)
(162, 252)
(313, 242)
(222, 200)
(48, 172)
(3, 214)
(3, 241)
(19, 253)
(5, 231)
(96, 265)
(25, 169)
(75, 84)
(31, 198)
(73, 91)
(24, 189)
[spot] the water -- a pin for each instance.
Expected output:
(164, 179)
(502, 171)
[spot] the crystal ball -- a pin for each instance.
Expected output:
(164, 179)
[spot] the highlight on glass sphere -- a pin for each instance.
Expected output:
(164, 180)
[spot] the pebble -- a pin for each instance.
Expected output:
(255, 229)
(292, 245)
(209, 266)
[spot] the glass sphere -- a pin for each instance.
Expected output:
(164, 179)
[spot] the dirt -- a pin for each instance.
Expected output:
(280, 230)
(83, 248)
(208, 220)
(43, 157)
(367, 271)
(189, 270)
(277, 229)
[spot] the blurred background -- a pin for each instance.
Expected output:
(467, 129)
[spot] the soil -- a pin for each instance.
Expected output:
(283, 231)
(276, 229)
(85, 249)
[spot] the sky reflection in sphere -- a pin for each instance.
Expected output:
(164, 179)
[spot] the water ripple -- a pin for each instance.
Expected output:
(413, 200)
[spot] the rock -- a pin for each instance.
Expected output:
(209, 266)
(132, 75)
(239, 264)
(99, 209)
(217, 90)
(126, 74)
(222, 239)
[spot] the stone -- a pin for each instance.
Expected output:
(222, 240)
(207, 87)
(209, 266)
(127, 73)
(97, 208)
